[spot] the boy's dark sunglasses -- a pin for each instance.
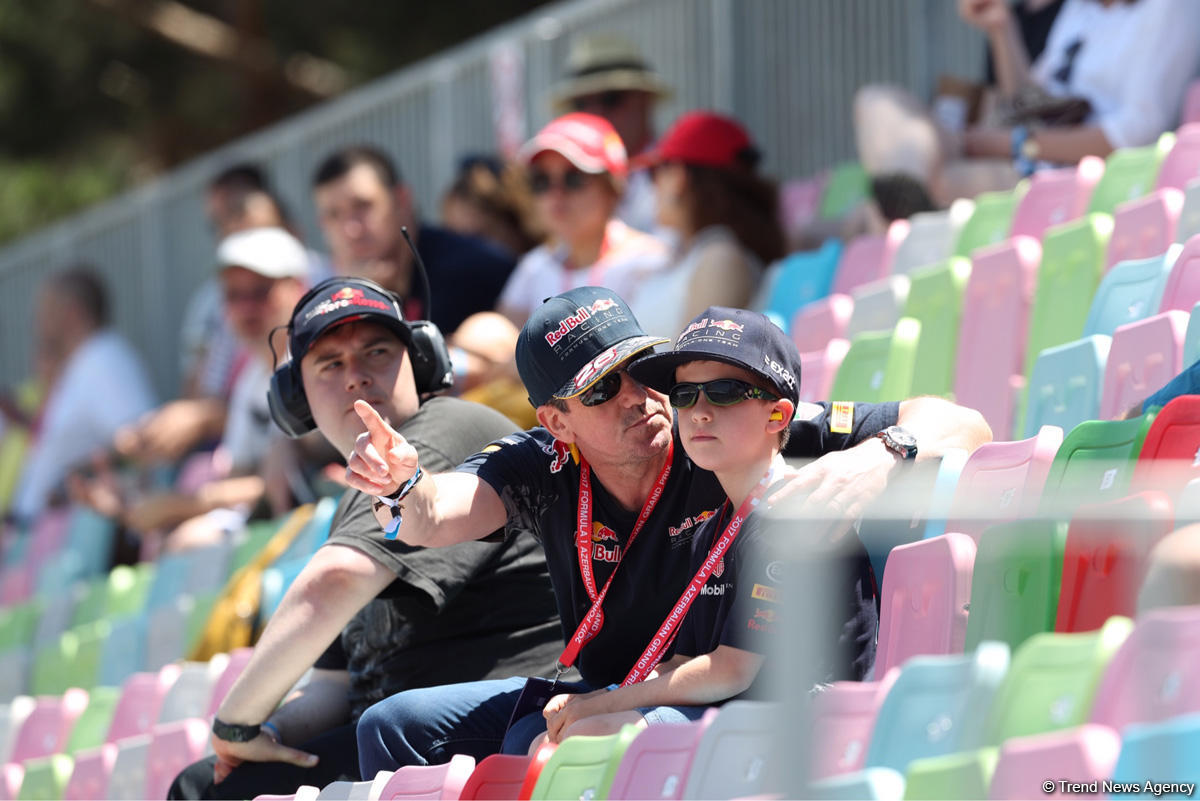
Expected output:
(572, 181)
(722, 392)
(603, 390)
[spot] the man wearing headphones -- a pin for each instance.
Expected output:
(371, 616)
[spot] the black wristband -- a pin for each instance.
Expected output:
(234, 732)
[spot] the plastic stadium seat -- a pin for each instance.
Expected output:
(1143, 357)
(990, 222)
(799, 201)
(1071, 267)
(1065, 385)
(945, 484)
(349, 791)
(123, 591)
(844, 713)
(534, 771)
(815, 325)
(55, 617)
(802, 277)
(846, 187)
(434, 782)
(173, 746)
(923, 603)
(1187, 505)
(1015, 586)
(656, 763)
(1095, 462)
(991, 345)
(12, 717)
(312, 536)
(90, 774)
(931, 237)
(1084, 754)
(72, 662)
(498, 776)
(124, 652)
(275, 582)
(1168, 458)
(1191, 104)
(16, 580)
(869, 257)
(1182, 164)
(238, 659)
(1182, 290)
(877, 305)
(190, 693)
(1056, 196)
(127, 782)
(877, 784)
(819, 368)
(91, 728)
(46, 777)
(1130, 173)
(1160, 752)
(1156, 674)
(48, 726)
(18, 623)
(1131, 291)
(879, 366)
(1145, 227)
(1002, 481)
(140, 702)
(935, 300)
(583, 767)
(1105, 560)
(1189, 215)
(166, 631)
(11, 775)
(1191, 340)
(1049, 686)
(89, 540)
(733, 757)
(304, 792)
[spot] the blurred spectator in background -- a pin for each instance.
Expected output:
(490, 200)
(1113, 74)
(362, 203)
(607, 76)
(577, 169)
(710, 193)
(95, 383)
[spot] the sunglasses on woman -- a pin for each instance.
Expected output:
(572, 181)
(722, 392)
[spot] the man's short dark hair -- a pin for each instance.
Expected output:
(86, 289)
(244, 177)
(340, 162)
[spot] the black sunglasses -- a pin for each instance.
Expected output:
(722, 392)
(606, 101)
(603, 390)
(572, 181)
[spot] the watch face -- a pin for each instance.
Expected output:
(901, 437)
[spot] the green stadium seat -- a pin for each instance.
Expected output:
(846, 187)
(935, 300)
(1094, 463)
(1130, 173)
(46, 778)
(583, 767)
(991, 221)
(91, 728)
(74, 661)
(879, 365)
(18, 623)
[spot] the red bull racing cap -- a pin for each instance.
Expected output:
(341, 300)
(574, 339)
(739, 337)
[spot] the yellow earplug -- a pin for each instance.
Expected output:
(776, 415)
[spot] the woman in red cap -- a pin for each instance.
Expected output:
(577, 168)
(710, 192)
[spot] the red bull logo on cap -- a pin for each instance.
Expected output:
(603, 304)
(727, 325)
(346, 293)
(347, 296)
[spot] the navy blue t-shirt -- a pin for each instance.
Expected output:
(466, 275)
(537, 478)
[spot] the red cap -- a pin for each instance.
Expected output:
(586, 140)
(702, 138)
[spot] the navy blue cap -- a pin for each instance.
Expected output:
(340, 300)
(739, 337)
(574, 339)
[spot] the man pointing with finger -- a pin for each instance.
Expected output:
(614, 500)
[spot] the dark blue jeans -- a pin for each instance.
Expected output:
(432, 724)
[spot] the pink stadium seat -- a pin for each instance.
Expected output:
(238, 659)
(89, 779)
(499, 776)
(17, 582)
(173, 747)
(657, 762)
(49, 725)
(1183, 284)
(432, 782)
(1145, 227)
(923, 603)
(1056, 197)
(869, 257)
(991, 344)
(141, 699)
(11, 776)
(818, 369)
(1002, 481)
(1182, 163)
(1191, 103)
(815, 324)
(1105, 558)
(1083, 754)
(799, 201)
(304, 792)
(1169, 456)
(1143, 357)
(844, 713)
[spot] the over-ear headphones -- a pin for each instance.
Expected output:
(432, 370)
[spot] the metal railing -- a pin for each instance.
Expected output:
(787, 68)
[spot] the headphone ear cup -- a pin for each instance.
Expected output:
(288, 403)
(432, 370)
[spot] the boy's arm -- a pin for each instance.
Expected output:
(698, 681)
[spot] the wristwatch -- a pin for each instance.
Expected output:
(899, 441)
(235, 732)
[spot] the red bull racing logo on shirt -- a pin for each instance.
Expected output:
(561, 454)
(689, 523)
(606, 546)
